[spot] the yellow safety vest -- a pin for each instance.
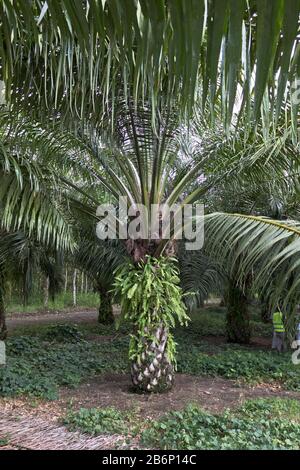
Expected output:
(278, 323)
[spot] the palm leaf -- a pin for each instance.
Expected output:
(269, 248)
(199, 276)
(80, 55)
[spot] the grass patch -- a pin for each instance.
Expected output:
(61, 302)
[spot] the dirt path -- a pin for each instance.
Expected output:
(213, 394)
(24, 319)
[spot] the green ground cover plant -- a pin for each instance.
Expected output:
(262, 424)
(38, 368)
(63, 333)
(234, 362)
(97, 421)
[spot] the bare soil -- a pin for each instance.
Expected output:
(212, 394)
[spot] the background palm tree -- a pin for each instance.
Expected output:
(20, 258)
(100, 259)
(275, 197)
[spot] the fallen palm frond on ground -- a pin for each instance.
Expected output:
(36, 433)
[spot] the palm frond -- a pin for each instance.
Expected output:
(99, 259)
(79, 55)
(31, 194)
(265, 248)
(199, 277)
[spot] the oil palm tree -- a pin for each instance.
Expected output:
(170, 164)
(30, 193)
(200, 276)
(21, 257)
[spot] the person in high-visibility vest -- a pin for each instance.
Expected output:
(278, 332)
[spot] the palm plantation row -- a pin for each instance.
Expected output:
(110, 99)
(201, 272)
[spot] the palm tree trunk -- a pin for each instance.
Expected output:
(82, 283)
(66, 280)
(24, 291)
(266, 312)
(46, 291)
(152, 371)
(75, 288)
(237, 320)
(3, 328)
(105, 315)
